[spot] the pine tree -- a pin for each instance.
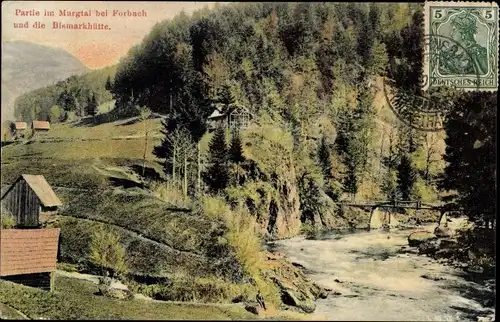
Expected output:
(92, 106)
(471, 158)
(406, 176)
(165, 150)
(225, 97)
(325, 162)
(236, 149)
(217, 175)
(236, 153)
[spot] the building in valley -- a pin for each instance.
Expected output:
(18, 129)
(28, 252)
(27, 198)
(40, 127)
(233, 116)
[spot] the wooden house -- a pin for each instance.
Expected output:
(29, 256)
(234, 116)
(18, 129)
(40, 127)
(27, 198)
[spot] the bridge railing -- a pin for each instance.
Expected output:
(417, 204)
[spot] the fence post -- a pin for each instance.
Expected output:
(52, 280)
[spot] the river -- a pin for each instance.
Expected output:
(371, 278)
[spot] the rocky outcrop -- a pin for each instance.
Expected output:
(286, 210)
(418, 237)
(273, 199)
(296, 289)
(428, 247)
(328, 215)
(116, 293)
(254, 307)
(114, 289)
(438, 245)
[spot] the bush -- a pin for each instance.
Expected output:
(308, 230)
(242, 237)
(194, 289)
(214, 207)
(107, 252)
(171, 193)
(8, 221)
(241, 232)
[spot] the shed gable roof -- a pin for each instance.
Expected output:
(41, 125)
(20, 125)
(215, 114)
(41, 188)
(27, 251)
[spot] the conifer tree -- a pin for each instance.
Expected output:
(470, 172)
(225, 97)
(406, 176)
(236, 153)
(92, 106)
(217, 175)
(325, 162)
(236, 148)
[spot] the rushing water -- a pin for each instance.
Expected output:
(372, 279)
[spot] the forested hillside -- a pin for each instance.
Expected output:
(76, 96)
(307, 72)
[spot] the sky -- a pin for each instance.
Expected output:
(94, 48)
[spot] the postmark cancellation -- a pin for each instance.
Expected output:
(461, 47)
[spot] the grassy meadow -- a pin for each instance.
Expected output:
(76, 299)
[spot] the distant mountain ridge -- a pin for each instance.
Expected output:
(28, 66)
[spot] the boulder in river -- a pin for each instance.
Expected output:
(418, 237)
(448, 243)
(442, 232)
(434, 276)
(428, 247)
(445, 253)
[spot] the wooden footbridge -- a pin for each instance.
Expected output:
(389, 205)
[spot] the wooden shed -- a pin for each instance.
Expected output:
(29, 196)
(40, 127)
(29, 256)
(18, 129)
(234, 116)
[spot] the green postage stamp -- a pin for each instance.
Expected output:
(461, 45)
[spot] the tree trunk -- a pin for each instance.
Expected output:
(173, 167)
(198, 182)
(185, 175)
(144, 156)
(238, 173)
(381, 155)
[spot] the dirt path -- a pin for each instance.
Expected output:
(372, 280)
